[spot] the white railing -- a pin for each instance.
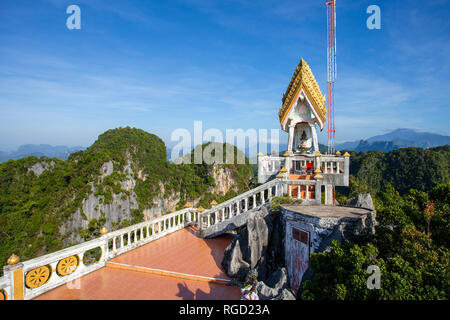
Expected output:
(52, 270)
(306, 189)
(240, 204)
(332, 165)
(66, 266)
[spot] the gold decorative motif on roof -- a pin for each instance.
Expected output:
(303, 78)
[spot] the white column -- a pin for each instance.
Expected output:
(314, 137)
(246, 204)
(290, 138)
(254, 200)
(346, 170)
(317, 162)
(114, 243)
(238, 207)
(262, 197)
(290, 190)
(329, 194)
(299, 191)
(307, 192)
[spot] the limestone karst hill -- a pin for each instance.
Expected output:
(123, 178)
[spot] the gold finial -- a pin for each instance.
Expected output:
(200, 209)
(318, 154)
(260, 154)
(13, 260)
(318, 170)
(213, 203)
(338, 153)
(286, 154)
(346, 154)
(188, 205)
(318, 176)
(280, 176)
(283, 170)
(103, 231)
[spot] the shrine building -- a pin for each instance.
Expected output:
(301, 114)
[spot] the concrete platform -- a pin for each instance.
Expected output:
(177, 266)
(323, 211)
(114, 284)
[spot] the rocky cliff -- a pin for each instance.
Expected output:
(122, 179)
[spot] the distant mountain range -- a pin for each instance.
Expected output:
(39, 150)
(399, 138)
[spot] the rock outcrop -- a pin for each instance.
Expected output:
(364, 200)
(225, 181)
(276, 287)
(248, 250)
(256, 255)
(40, 167)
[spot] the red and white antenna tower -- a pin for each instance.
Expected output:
(331, 71)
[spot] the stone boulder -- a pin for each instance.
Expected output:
(364, 200)
(248, 251)
(286, 294)
(276, 287)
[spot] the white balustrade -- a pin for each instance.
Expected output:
(299, 184)
(240, 203)
(332, 164)
(52, 270)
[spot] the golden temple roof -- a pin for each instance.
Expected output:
(303, 78)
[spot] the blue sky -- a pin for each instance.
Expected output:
(160, 65)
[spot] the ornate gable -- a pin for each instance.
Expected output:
(303, 78)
